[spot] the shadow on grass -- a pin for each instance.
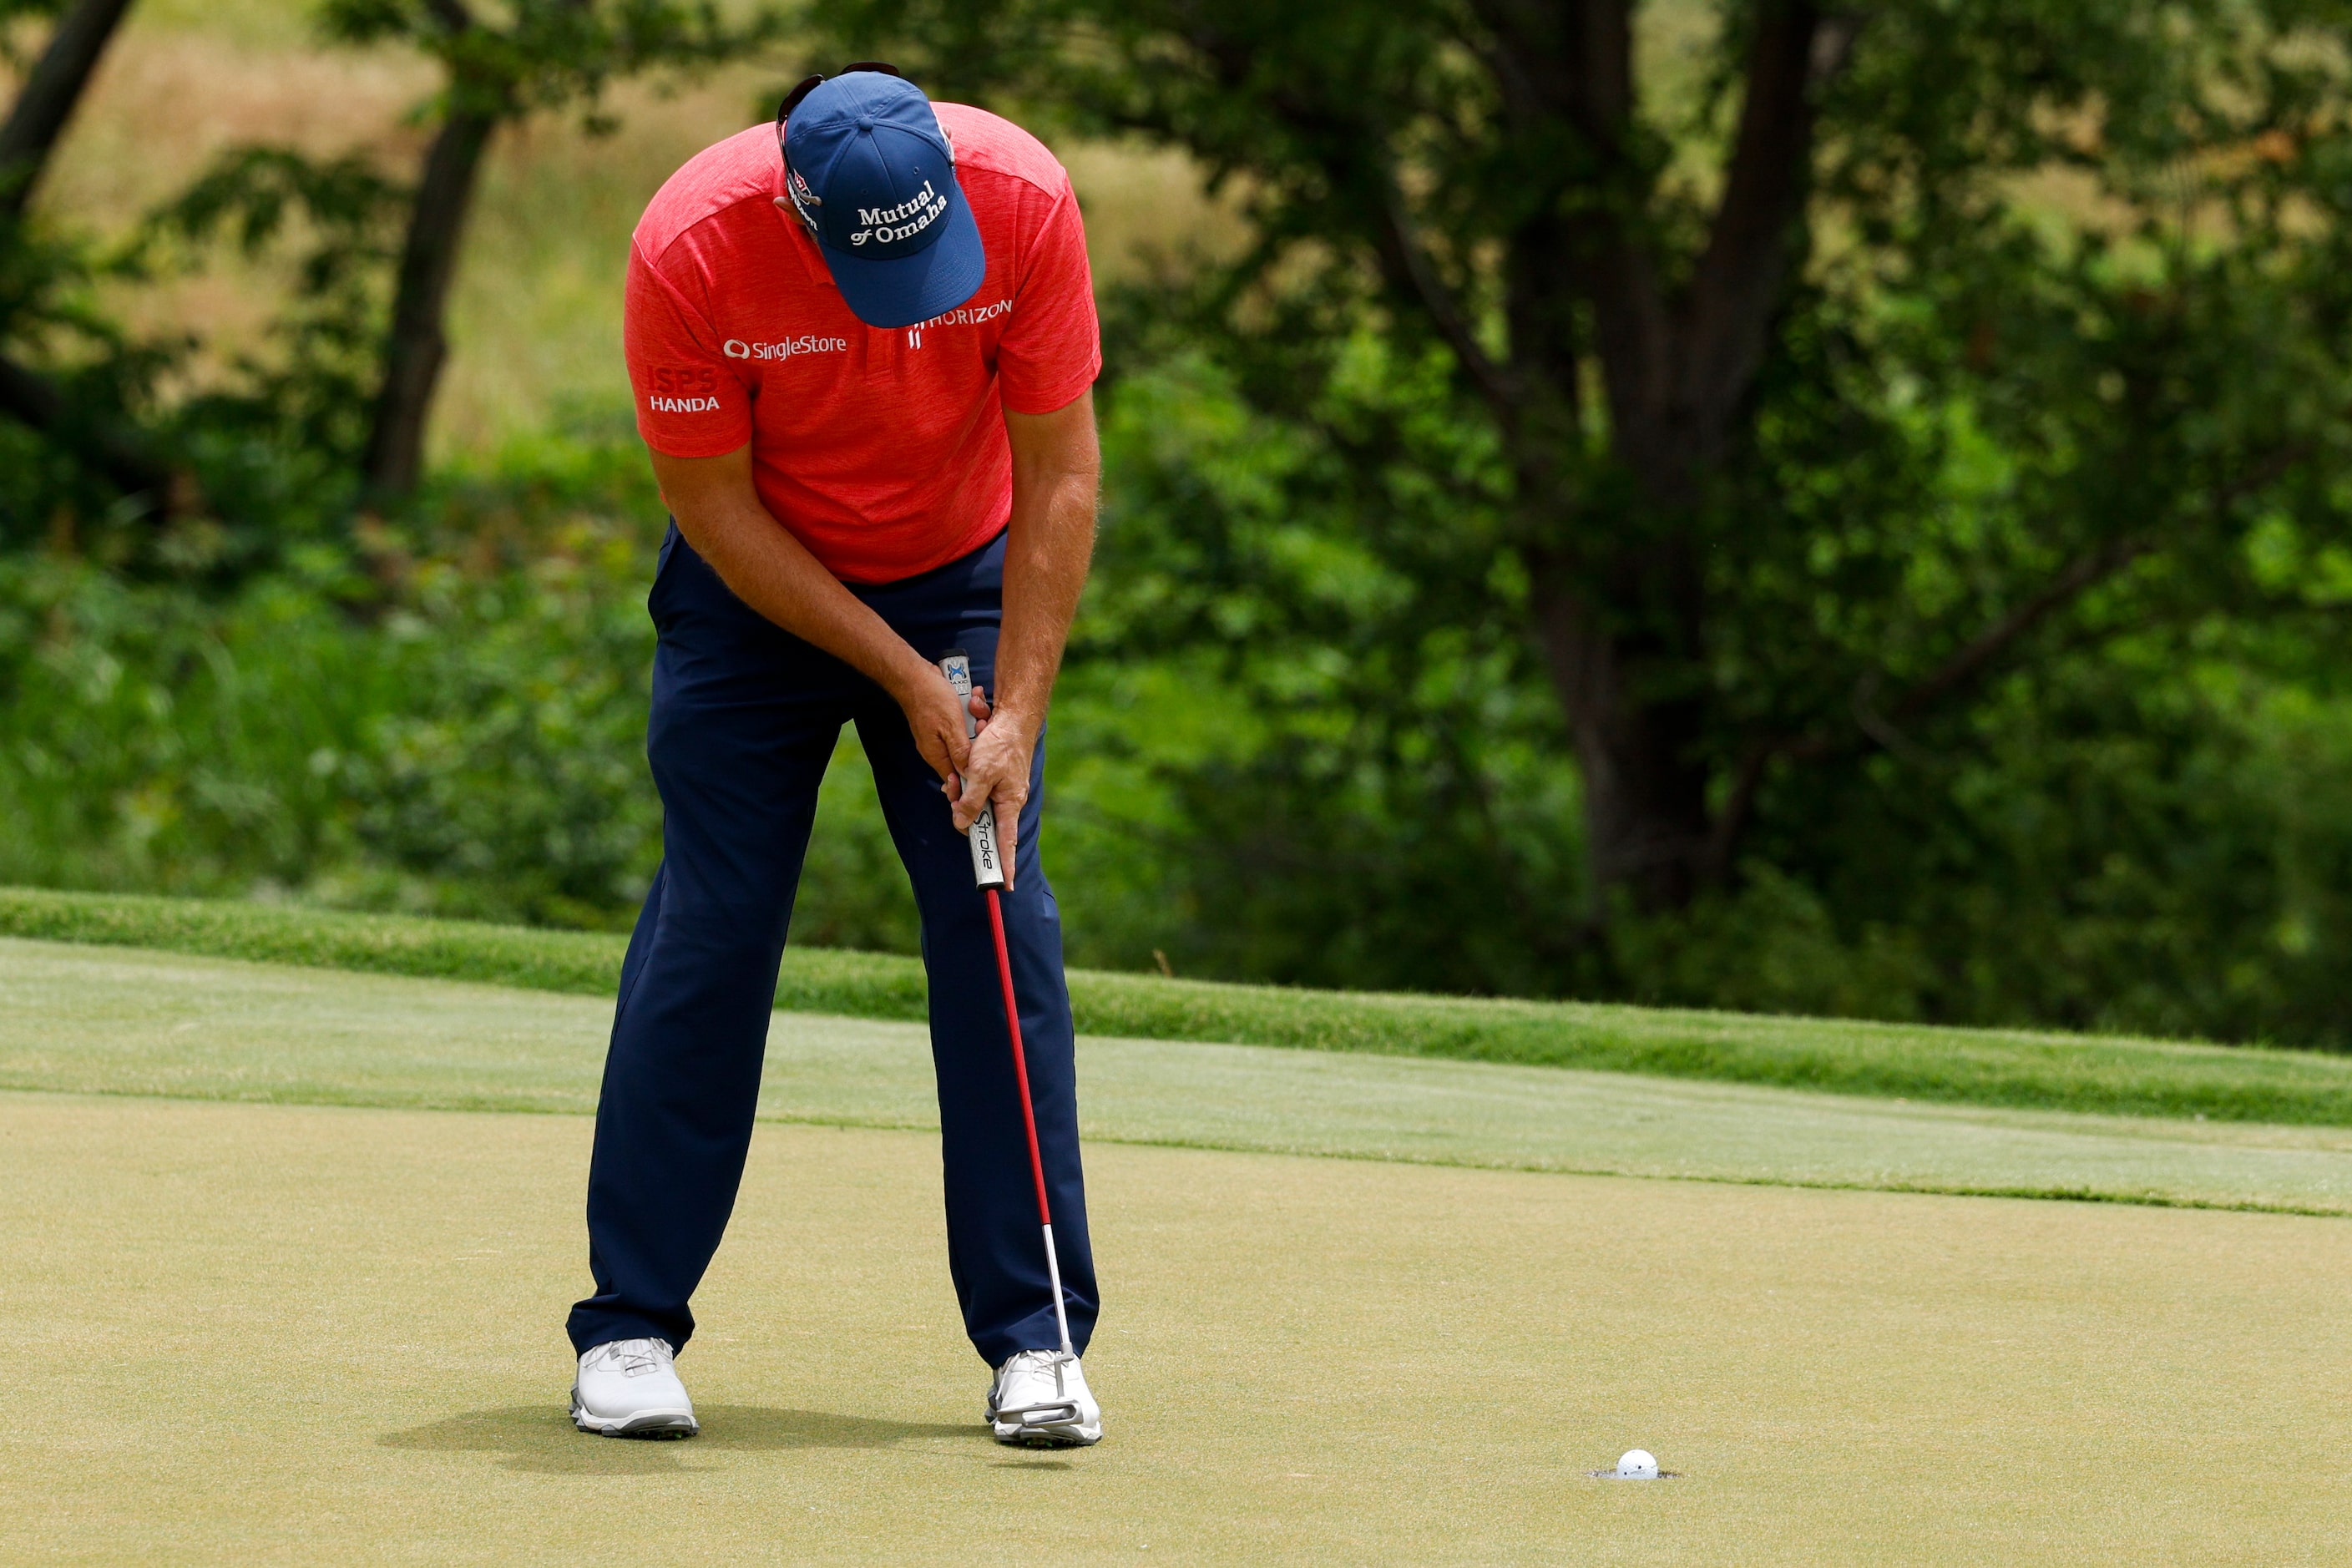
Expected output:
(540, 1438)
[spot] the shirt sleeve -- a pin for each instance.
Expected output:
(1052, 348)
(690, 402)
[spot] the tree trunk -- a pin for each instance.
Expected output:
(1636, 717)
(415, 347)
(1619, 619)
(1617, 589)
(117, 452)
(38, 116)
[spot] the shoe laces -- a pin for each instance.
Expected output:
(1050, 1362)
(636, 1357)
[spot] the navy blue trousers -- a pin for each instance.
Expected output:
(745, 717)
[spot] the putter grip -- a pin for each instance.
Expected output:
(987, 865)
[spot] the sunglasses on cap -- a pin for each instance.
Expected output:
(804, 198)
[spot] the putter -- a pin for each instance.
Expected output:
(988, 876)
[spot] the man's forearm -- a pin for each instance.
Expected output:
(1049, 543)
(1047, 549)
(773, 572)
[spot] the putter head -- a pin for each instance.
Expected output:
(1059, 1414)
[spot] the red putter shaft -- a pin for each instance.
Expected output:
(1020, 1058)
(991, 875)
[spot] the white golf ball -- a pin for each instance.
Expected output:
(1638, 1465)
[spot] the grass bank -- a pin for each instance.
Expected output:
(2052, 1071)
(136, 1022)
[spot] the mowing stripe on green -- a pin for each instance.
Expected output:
(129, 1022)
(1981, 1066)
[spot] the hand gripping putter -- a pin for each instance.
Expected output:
(988, 875)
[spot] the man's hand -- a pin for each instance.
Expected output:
(937, 722)
(996, 775)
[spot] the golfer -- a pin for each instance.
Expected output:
(863, 345)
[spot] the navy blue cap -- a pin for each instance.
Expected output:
(870, 164)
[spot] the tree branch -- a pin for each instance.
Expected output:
(1571, 63)
(1971, 660)
(1409, 269)
(47, 102)
(1973, 657)
(2079, 576)
(1737, 285)
(1524, 59)
(1600, 40)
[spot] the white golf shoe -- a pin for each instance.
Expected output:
(1040, 1400)
(629, 1388)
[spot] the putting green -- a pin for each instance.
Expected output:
(302, 1334)
(121, 1021)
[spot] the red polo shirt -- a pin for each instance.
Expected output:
(882, 449)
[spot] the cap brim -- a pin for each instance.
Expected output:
(910, 288)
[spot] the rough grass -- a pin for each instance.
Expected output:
(2049, 1071)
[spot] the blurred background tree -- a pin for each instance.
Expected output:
(537, 56)
(364, 327)
(1812, 403)
(95, 435)
(1753, 505)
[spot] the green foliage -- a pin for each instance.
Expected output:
(2019, 685)
(102, 377)
(396, 726)
(2141, 836)
(531, 55)
(1268, 759)
(446, 715)
(1368, 746)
